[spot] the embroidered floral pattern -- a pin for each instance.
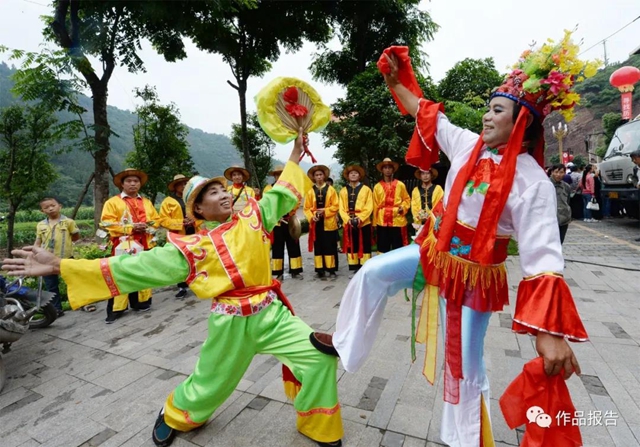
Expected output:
(236, 310)
(481, 177)
(457, 248)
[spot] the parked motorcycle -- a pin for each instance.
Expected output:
(20, 309)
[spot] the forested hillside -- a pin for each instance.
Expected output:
(211, 153)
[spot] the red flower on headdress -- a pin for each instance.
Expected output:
(555, 81)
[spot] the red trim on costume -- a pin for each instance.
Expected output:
(405, 72)
(545, 304)
(217, 237)
(405, 235)
(389, 201)
(184, 243)
(326, 411)
(424, 150)
(312, 235)
(108, 277)
(290, 187)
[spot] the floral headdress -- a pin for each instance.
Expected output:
(542, 80)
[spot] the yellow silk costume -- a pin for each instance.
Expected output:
(119, 218)
(363, 208)
(244, 192)
(172, 217)
(419, 202)
(331, 207)
(356, 202)
(231, 264)
(387, 200)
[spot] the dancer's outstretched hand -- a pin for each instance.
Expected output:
(32, 261)
(392, 77)
(557, 355)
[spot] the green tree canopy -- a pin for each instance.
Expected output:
(468, 79)
(25, 170)
(160, 145)
(364, 28)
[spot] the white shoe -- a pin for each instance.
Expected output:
(586, 220)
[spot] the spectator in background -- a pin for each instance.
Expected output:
(563, 195)
(576, 193)
(597, 193)
(587, 186)
(56, 234)
(635, 158)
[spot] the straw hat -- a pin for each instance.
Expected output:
(193, 188)
(178, 178)
(387, 162)
(315, 168)
(350, 168)
(434, 173)
(277, 170)
(232, 169)
(130, 172)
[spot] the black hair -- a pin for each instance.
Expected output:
(329, 180)
(558, 166)
(635, 154)
(534, 132)
(49, 198)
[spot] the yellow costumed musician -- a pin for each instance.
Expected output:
(130, 220)
(391, 202)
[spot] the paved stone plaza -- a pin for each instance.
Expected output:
(83, 383)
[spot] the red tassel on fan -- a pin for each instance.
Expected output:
(306, 151)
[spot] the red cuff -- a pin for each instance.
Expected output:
(545, 304)
(423, 149)
(406, 75)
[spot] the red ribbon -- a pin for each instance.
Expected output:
(312, 235)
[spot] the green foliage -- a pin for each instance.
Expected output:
(364, 28)
(24, 233)
(470, 78)
(369, 126)
(260, 147)
(160, 146)
(580, 161)
(596, 91)
(25, 171)
(465, 116)
(90, 251)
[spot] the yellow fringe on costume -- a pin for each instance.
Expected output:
(463, 274)
(291, 389)
(486, 434)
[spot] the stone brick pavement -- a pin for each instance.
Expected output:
(84, 383)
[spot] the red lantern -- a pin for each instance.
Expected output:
(565, 156)
(623, 79)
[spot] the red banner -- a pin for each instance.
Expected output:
(626, 105)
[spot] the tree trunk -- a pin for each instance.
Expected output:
(248, 162)
(101, 168)
(11, 219)
(82, 194)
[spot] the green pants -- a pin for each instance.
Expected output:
(227, 353)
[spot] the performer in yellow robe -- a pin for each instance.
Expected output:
(239, 188)
(356, 208)
(321, 211)
(425, 196)
(282, 238)
(128, 216)
(249, 313)
(173, 217)
(391, 203)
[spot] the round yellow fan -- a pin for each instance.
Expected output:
(287, 104)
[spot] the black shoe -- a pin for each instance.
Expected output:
(142, 308)
(337, 443)
(333, 275)
(181, 293)
(280, 277)
(637, 239)
(110, 319)
(162, 434)
(323, 343)
(297, 276)
(60, 313)
(320, 274)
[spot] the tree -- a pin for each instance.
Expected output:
(468, 79)
(47, 77)
(260, 147)
(111, 31)
(463, 115)
(160, 145)
(364, 28)
(368, 125)
(25, 170)
(250, 39)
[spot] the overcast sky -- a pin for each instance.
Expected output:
(197, 85)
